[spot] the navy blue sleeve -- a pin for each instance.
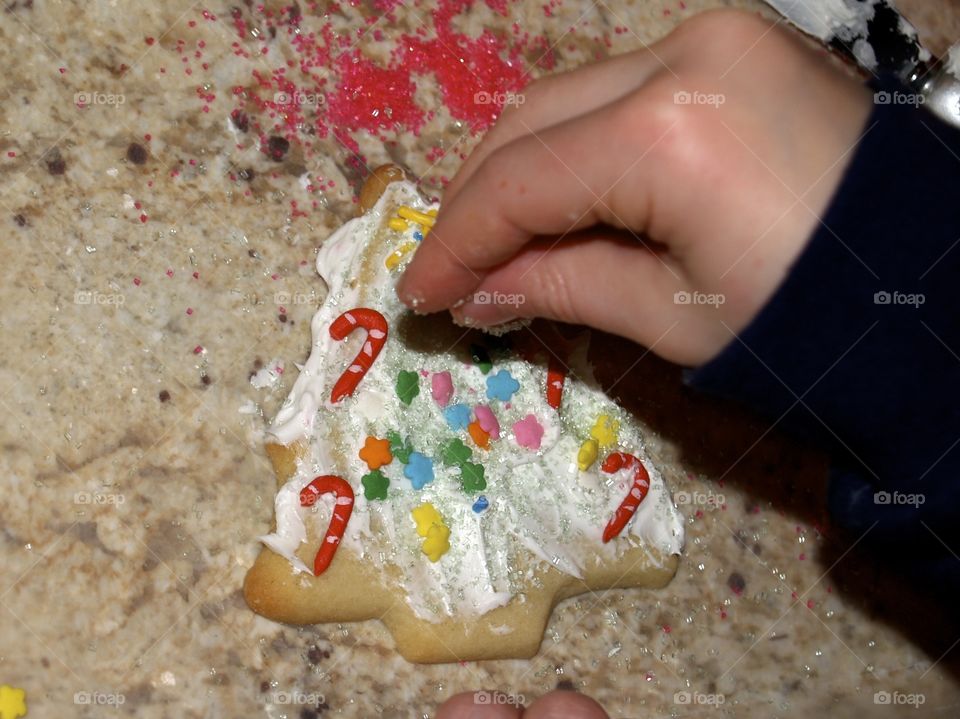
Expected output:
(859, 348)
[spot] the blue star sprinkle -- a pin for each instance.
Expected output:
(502, 386)
(419, 470)
(457, 416)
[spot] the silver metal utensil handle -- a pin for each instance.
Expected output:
(940, 89)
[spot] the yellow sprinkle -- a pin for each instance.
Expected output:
(13, 702)
(421, 218)
(432, 213)
(587, 454)
(398, 224)
(425, 515)
(431, 526)
(397, 256)
(605, 430)
(437, 542)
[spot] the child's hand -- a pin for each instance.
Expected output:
(699, 166)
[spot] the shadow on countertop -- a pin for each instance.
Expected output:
(722, 440)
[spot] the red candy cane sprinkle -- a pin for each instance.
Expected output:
(376, 326)
(641, 484)
(342, 509)
(555, 379)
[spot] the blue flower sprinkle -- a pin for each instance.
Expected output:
(502, 386)
(419, 470)
(457, 416)
(481, 504)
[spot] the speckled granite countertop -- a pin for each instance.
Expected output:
(157, 251)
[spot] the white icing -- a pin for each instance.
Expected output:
(953, 61)
(268, 376)
(538, 499)
(825, 19)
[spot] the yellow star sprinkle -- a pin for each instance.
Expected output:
(425, 515)
(437, 542)
(431, 526)
(605, 431)
(13, 702)
(587, 454)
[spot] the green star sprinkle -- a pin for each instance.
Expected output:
(481, 358)
(399, 447)
(471, 477)
(375, 485)
(455, 452)
(408, 386)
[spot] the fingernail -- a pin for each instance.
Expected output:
(481, 314)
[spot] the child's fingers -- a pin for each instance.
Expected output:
(558, 98)
(609, 281)
(550, 183)
(478, 705)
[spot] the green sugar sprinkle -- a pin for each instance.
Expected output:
(399, 447)
(471, 477)
(408, 386)
(481, 358)
(375, 485)
(454, 452)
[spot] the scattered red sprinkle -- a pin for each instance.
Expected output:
(189, 310)
(196, 275)
(150, 41)
(143, 218)
(666, 629)
(136, 281)
(802, 556)
(198, 349)
(169, 272)
(810, 604)
(148, 137)
(63, 71)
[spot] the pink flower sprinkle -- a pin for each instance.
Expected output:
(169, 272)
(189, 310)
(136, 281)
(441, 388)
(198, 349)
(528, 432)
(488, 420)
